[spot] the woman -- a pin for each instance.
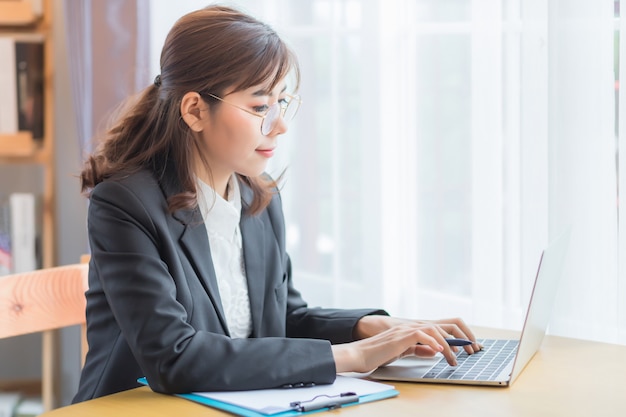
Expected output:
(189, 281)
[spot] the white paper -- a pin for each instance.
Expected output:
(271, 401)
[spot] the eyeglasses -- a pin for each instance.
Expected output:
(286, 107)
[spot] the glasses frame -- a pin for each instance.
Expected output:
(283, 109)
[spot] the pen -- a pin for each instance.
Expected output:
(456, 342)
(459, 342)
(324, 401)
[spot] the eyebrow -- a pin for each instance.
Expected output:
(267, 93)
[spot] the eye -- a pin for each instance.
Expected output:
(283, 101)
(261, 109)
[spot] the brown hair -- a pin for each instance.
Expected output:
(209, 50)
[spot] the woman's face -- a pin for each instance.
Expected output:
(233, 138)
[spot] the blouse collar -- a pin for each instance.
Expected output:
(220, 216)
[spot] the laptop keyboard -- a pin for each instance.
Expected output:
(485, 365)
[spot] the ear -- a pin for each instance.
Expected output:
(191, 110)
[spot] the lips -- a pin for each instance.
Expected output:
(268, 153)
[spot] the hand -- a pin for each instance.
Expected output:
(455, 327)
(386, 346)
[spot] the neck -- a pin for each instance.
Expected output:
(219, 185)
(218, 182)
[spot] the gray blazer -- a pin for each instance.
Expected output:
(154, 309)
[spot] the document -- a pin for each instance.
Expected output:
(345, 391)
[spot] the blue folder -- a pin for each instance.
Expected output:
(248, 412)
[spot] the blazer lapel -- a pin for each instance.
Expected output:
(195, 242)
(252, 233)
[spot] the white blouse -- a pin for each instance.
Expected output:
(221, 219)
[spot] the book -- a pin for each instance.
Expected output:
(22, 84)
(18, 233)
(23, 232)
(29, 407)
(280, 402)
(6, 258)
(37, 6)
(8, 99)
(8, 403)
(29, 76)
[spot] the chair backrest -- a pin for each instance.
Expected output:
(42, 301)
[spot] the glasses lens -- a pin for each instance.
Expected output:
(270, 119)
(292, 108)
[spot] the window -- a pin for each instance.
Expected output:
(440, 146)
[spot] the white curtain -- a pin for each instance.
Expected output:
(621, 285)
(582, 166)
(107, 45)
(441, 145)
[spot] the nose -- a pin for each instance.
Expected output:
(280, 126)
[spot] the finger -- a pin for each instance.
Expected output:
(454, 332)
(450, 356)
(446, 335)
(424, 351)
(464, 328)
(438, 335)
(428, 341)
(459, 329)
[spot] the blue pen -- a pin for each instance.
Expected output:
(456, 342)
(459, 342)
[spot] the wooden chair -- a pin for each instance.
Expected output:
(43, 301)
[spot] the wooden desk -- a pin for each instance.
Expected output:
(561, 380)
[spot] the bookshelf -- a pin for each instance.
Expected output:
(19, 17)
(22, 152)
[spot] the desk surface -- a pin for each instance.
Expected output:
(567, 377)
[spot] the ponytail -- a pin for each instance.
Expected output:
(139, 131)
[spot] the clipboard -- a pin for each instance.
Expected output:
(280, 402)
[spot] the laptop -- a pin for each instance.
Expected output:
(502, 360)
